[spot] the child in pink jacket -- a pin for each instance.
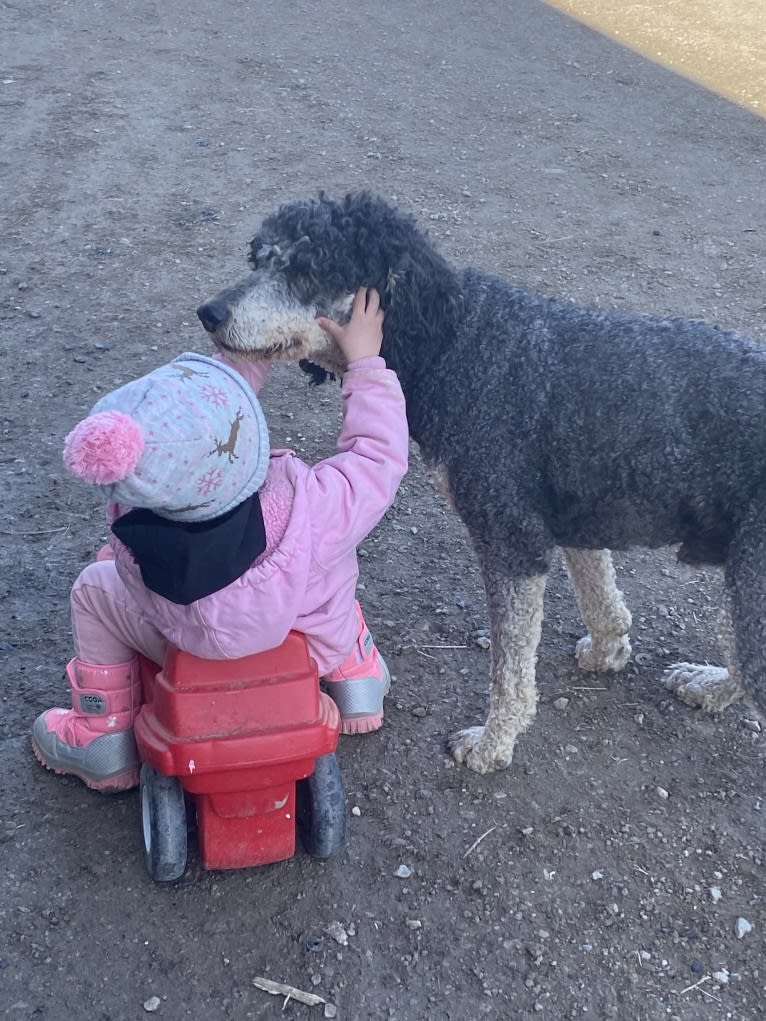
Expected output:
(221, 546)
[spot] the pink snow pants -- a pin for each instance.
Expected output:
(108, 627)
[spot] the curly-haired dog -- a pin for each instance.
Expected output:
(546, 425)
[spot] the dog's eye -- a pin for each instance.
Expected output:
(261, 253)
(252, 253)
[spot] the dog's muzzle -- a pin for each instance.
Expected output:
(213, 315)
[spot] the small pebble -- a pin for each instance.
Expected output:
(403, 872)
(356, 810)
(742, 927)
(337, 932)
(715, 893)
(152, 1004)
(721, 977)
(662, 793)
(330, 1010)
(561, 703)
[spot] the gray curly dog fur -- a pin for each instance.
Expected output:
(546, 425)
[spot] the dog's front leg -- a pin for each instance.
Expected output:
(515, 616)
(604, 613)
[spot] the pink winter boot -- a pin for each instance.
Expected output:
(94, 739)
(358, 685)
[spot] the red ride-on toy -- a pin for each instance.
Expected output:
(252, 743)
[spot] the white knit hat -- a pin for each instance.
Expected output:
(188, 441)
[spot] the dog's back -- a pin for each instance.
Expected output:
(616, 430)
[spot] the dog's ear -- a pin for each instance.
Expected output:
(422, 298)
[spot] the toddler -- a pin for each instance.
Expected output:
(221, 546)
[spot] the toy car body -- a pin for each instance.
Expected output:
(251, 741)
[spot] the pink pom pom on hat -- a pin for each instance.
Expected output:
(104, 448)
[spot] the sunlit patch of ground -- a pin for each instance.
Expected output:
(719, 43)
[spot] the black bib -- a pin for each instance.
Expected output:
(187, 560)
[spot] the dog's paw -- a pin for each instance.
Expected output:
(710, 688)
(471, 748)
(598, 657)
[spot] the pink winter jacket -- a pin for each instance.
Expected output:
(308, 580)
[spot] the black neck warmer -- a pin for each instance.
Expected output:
(187, 560)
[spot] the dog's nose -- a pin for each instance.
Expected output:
(213, 314)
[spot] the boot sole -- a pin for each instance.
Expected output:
(124, 781)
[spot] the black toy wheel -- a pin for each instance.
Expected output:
(321, 809)
(163, 820)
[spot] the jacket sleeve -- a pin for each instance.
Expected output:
(352, 490)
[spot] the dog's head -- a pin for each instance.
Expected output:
(260, 317)
(309, 259)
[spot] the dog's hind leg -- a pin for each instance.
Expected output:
(604, 613)
(515, 616)
(742, 630)
(704, 686)
(709, 688)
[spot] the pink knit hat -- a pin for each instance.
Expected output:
(188, 441)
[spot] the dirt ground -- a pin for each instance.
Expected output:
(616, 870)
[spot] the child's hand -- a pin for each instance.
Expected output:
(362, 336)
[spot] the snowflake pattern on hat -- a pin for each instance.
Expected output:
(211, 480)
(214, 394)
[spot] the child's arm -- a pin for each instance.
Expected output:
(358, 484)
